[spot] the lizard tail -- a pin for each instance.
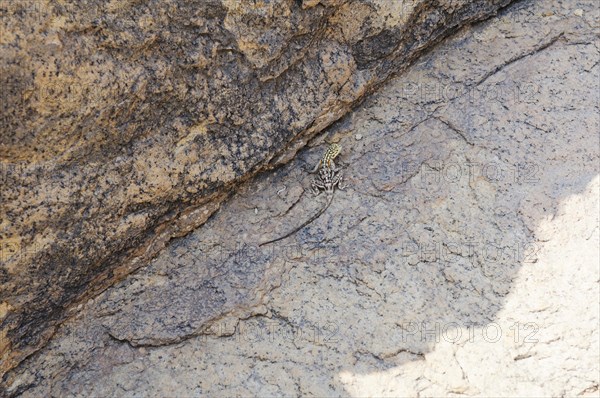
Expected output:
(310, 220)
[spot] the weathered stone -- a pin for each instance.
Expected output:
(125, 124)
(461, 259)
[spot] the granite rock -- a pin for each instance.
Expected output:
(461, 259)
(126, 123)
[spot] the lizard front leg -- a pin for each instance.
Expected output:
(317, 186)
(332, 166)
(316, 168)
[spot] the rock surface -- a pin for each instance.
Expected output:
(462, 258)
(126, 123)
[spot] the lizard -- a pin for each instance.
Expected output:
(328, 157)
(328, 179)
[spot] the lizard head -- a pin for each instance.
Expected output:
(335, 150)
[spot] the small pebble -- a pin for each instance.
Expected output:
(578, 12)
(358, 137)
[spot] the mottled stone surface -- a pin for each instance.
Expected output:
(126, 123)
(462, 258)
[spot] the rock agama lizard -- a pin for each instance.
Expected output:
(328, 179)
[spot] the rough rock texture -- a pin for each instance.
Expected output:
(462, 258)
(125, 123)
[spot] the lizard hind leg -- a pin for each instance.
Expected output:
(339, 181)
